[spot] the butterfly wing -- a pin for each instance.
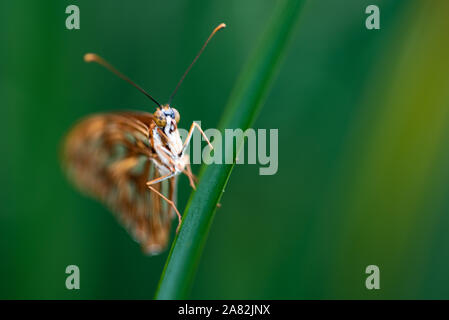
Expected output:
(108, 156)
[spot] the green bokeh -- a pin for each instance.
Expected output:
(363, 161)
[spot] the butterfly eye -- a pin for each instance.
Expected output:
(177, 116)
(159, 118)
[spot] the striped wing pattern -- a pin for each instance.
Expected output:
(108, 156)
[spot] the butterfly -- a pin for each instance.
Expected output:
(130, 161)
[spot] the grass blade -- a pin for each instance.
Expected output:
(240, 112)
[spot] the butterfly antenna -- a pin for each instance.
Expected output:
(221, 26)
(92, 57)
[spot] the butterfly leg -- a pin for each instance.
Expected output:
(160, 179)
(169, 158)
(189, 136)
(189, 174)
(171, 203)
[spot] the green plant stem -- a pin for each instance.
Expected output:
(241, 110)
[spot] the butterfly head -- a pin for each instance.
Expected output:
(166, 117)
(166, 139)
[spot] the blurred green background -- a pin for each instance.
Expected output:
(363, 158)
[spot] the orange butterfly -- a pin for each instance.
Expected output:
(130, 162)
